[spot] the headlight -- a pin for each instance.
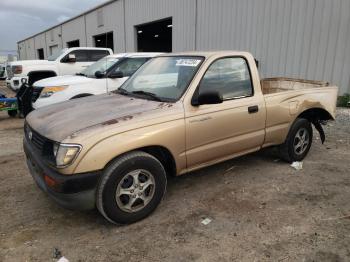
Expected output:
(17, 69)
(49, 91)
(65, 154)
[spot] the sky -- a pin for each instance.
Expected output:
(20, 19)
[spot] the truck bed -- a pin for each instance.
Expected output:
(285, 98)
(282, 84)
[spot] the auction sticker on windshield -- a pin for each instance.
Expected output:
(188, 62)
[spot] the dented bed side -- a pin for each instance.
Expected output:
(286, 99)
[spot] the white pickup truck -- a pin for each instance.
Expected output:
(107, 74)
(66, 62)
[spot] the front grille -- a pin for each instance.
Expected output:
(36, 93)
(36, 139)
(43, 145)
(9, 72)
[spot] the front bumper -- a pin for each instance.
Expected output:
(70, 191)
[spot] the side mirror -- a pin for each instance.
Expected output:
(116, 74)
(99, 74)
(208, 98)
(257, 63)
(71, 58)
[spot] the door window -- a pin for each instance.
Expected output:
(230, 77)
(80, 55)
(130, 65)
(96, 55)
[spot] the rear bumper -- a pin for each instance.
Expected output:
(70, 191)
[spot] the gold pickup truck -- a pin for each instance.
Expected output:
(178, 113)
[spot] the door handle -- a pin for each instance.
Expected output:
(253, 109)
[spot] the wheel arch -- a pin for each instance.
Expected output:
(34, 76)
(81, 95)
(315, 114)
(161, 153)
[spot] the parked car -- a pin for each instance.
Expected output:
(3, 74)
(66, 62)
(105, 75)
(115, 151)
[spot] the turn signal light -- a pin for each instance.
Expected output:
(50, 182)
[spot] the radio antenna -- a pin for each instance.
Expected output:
(106, 63)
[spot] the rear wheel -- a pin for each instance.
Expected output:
(298, 141)
(131, 188)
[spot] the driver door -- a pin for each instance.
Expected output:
(219, 131)
(71, 68)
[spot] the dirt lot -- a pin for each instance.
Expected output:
(261, 210)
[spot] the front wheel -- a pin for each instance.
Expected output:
(298, 141)
(12, 113)
(131, 188)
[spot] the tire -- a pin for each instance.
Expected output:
(119, 177)
(291, 150)
(12, 113)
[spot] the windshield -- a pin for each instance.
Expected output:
(54, 56)
(164, 78)
(101, 65)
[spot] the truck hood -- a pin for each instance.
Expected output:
(67, 119)
(63, 81)
(32, 62)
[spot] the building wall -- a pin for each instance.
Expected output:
(182, 12)
(40, 42)
(294, 38)
(53, 38)
(21, 50)
(113, 21)
(74, 30)
(29, 48)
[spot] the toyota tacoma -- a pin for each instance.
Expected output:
(177, 113)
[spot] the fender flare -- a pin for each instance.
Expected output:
(318, 117)
(34, 72)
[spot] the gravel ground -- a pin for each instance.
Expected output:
(261, 210)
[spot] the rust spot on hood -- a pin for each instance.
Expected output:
(126, 118)
(117, 120)
(110, 122)
(164, 104)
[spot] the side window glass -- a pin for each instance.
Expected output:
(230, 77)
(130, 65)
(96, 55)
(80, 55)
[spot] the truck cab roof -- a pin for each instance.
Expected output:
(208, 54)
(135, 54)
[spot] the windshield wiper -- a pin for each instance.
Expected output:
(122, 91)
(80, 74)
(149, 94)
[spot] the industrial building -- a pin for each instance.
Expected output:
(294, 38)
